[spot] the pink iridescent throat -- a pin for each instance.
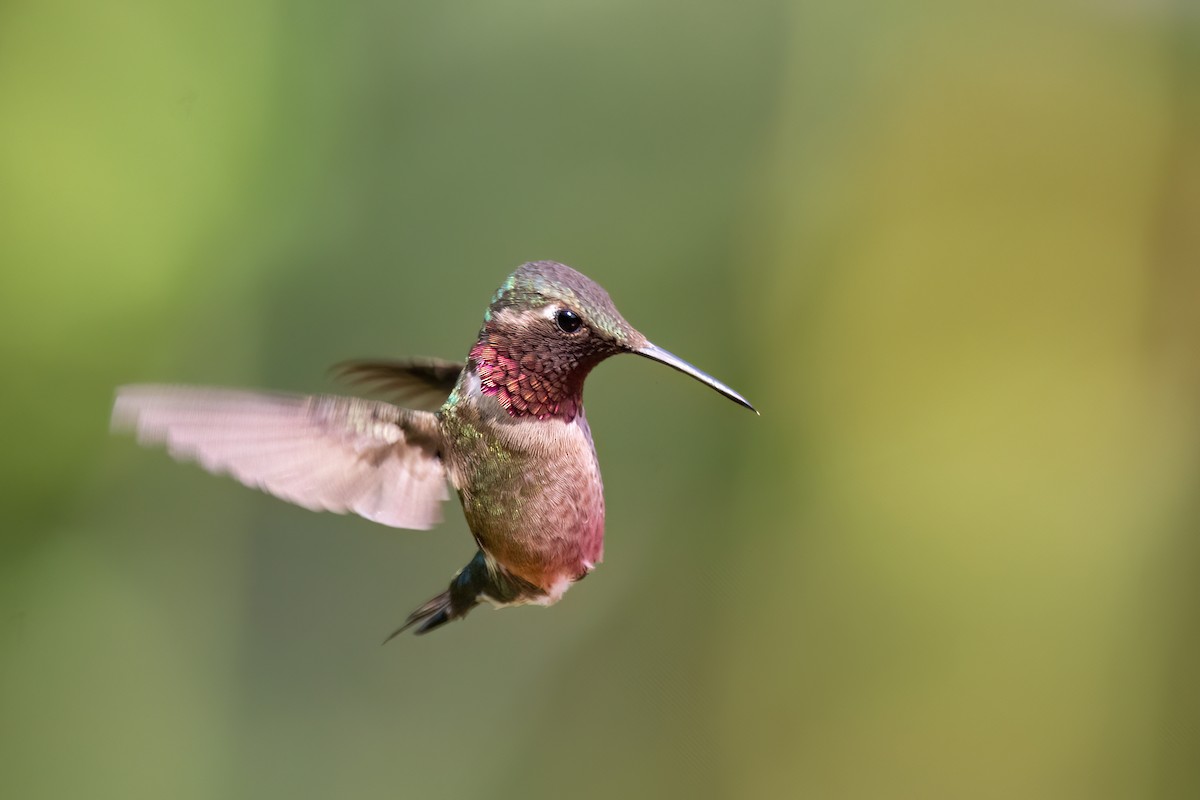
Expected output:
(528, 386)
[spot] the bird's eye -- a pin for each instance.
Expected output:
(567, 320)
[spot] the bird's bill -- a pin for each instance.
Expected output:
(656, 353)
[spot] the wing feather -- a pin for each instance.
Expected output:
(418, 382)
(337, 454)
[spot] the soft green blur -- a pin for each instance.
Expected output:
(951, 251)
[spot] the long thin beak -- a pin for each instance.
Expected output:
(671, 360)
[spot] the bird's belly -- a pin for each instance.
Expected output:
(536, 506)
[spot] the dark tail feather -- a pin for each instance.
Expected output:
(476, 580)
(454, 603)
(435, 613)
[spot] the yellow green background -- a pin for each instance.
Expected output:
(951, 251)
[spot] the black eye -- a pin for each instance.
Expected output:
(568, 321)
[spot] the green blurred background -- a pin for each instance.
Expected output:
(951, 251)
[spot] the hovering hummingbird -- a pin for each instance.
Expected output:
(506, 430)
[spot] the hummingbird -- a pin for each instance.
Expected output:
(506, 429)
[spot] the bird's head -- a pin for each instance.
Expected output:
(546, 328)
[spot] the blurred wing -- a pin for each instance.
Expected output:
(418, 382)
(323, 453)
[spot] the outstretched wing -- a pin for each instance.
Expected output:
(418, 382)
(324, 453)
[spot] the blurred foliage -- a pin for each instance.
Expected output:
(950, 250)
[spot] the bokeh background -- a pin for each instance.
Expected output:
(951, 251)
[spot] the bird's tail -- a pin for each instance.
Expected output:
(433, 614)
(477, 581)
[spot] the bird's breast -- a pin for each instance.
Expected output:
(531, 491)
